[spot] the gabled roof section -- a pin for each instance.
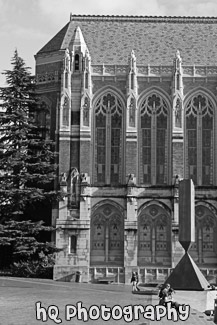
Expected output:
(110, 39)
(55, 43)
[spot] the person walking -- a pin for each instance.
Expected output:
(133, 281)
(137, 281)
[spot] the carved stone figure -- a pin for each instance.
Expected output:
(132, 112)
(65, 119)
(178, 113)
(86, 108)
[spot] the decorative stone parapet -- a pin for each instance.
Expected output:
(48, 77)
(154, 71)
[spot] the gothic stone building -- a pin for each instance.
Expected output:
(132, 106)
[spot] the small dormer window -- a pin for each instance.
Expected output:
(77, 59)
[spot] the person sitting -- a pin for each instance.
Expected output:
(165, 296)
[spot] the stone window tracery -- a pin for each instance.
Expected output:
(115, 232)
(44, 120)
(154, 140)
(145, 234)
(99, 232)
(161, 234)
(107, 236)
(207, 233)
(199, 115)
(154, 236)
(108, 140)
(204, 249)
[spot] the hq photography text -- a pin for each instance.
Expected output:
(127, 313)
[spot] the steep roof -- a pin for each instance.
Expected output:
(155, 40)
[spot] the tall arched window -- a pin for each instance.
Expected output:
(107, 236)
(77, 62)
(204, 249)
(199, 114)
(108, 140)
(44, 120)
(154, 140)
(154, 236)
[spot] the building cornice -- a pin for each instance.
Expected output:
(142, 19)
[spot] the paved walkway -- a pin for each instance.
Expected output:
(19, 297)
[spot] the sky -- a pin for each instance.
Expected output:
(27, 25)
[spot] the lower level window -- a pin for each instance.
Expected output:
(72, 244)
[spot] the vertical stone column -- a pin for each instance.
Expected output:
(131, 163)
(84, 196)
(177, 118)
(131, 118)
(86, 159)
(84, 227)
(177, 152)
(131, 229)
(81, 134)
(65, 129)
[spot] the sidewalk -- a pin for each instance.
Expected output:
(19, 297)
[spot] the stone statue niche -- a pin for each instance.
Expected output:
(178, 113)
(73, 183)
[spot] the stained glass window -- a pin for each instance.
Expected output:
(108, 139)
(98, 232)
(44, 120)
(145, 235)
(204, 250)
(107, 236)
(154, 138)
(161, 234)
(207, 238)
(154, 236)
(115, 231)
(199, 134)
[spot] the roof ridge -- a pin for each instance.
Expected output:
(177, 19)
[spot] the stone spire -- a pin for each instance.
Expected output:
(132, 74)
(132, 92)
(178, 72)
(177, 92)
(78, 43)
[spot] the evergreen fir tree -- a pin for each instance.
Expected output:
(27, 254)
(27, 168)
(27, 172)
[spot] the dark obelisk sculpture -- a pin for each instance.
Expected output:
(186, 275)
